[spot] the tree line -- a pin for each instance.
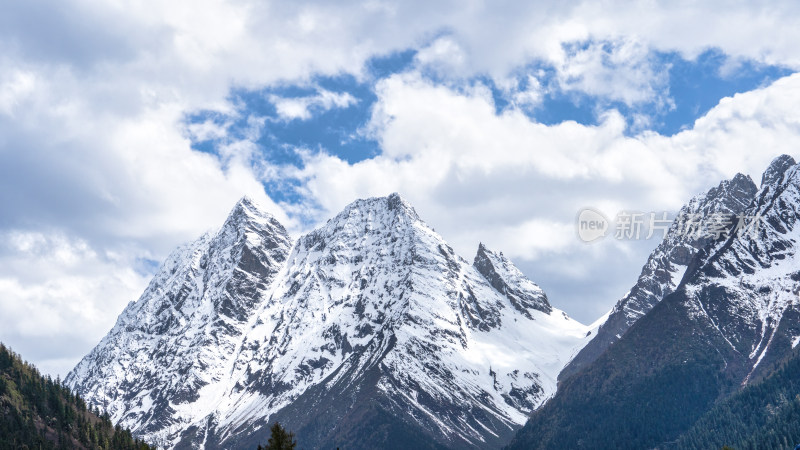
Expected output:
(37, 412)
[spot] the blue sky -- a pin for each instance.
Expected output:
(128, 128)
(686, 91)
(689, 89)
(692, 88)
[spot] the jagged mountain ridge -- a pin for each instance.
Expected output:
(370, 319)
(504, 276)
(178, 338)
(732, 320)
(757, 274)
(667, 264)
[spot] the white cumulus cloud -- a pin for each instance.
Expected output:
(517, 185)
(290, 108)
(97, 170)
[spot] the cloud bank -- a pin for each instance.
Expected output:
(100, 176)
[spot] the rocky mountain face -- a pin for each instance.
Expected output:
(748, 288)
(733, 319)
(501, 273)
(178, 341)
(666, 265)
(369, 332)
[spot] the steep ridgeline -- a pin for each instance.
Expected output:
(732, 320)
(374, 334)
(162, 364)
(666, 265)
(504, 276)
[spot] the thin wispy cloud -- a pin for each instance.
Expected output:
(302, 108)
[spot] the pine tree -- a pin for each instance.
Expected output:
(279, 439)
(37, 412)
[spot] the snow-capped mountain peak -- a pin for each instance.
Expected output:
(679, 252)
(371, 319)
(748, 287)
(367, 217)
(733, 320)
(501, 273)
(178, 339)
(776, 169)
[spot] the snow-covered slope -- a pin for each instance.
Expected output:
(667, 264)
(733, 319)
(158, 367)
(372, 319)
(501, 273)
(749, 288)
